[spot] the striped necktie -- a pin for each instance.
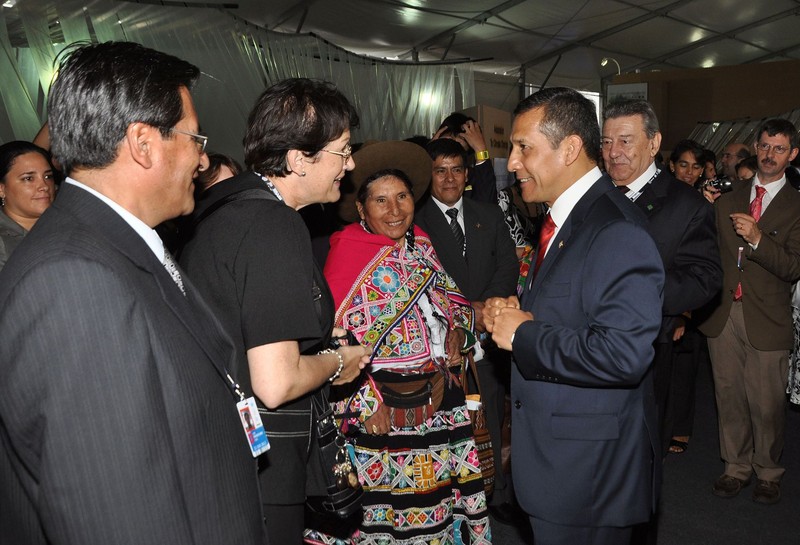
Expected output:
(456, 228)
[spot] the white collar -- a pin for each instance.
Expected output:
(565, 202)
(149, 235)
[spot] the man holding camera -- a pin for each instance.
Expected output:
(680, 221)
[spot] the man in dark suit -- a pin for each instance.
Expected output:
(681, 222)
(482, 260)
(750, 330)
(118, 419)
(585, 448)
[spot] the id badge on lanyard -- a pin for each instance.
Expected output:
(253, 427)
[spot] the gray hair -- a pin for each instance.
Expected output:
(629, 107)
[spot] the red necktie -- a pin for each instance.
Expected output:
(545, 234)
(755, 211)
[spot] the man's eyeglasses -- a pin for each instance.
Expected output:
(346, 154)
(199, 139)
(779, 150)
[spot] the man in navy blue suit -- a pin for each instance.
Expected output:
(585, 442)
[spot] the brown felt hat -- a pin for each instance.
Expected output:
(373, 156)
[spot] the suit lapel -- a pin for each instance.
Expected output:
(776, 207)
(654, 194)
(444, 243)
(473, 230)
(571, 225)
(189, 310)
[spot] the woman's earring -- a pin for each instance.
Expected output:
(303, 173)
(2, 201)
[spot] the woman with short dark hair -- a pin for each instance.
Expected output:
(27, 189)
(251, 257)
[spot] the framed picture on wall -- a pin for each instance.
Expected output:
(626, 90)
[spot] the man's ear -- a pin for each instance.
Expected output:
(141, 141)
(572, 146)
(655, 144)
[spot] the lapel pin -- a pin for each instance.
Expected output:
(649, 206)
(477, 226)
(560, 244)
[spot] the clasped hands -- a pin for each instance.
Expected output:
(502, 316)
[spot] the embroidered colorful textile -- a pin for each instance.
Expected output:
(524, 269)
(430, 493)
(376, 284)
(422, 483)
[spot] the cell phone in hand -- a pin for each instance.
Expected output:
(348, 339)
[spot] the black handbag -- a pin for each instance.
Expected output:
(344, 491)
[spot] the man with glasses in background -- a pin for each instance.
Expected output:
(750, 328)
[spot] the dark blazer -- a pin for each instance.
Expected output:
(681, 222)
(584, 418)
(116, 422)
(491, 267)
(767, 273)
(483, 183)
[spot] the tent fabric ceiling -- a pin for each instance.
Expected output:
(567, 37)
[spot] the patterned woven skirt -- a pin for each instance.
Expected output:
(422, 485)
(793, 387)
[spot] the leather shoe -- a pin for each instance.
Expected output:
(727, 486)
(506, 513)
(767, 492)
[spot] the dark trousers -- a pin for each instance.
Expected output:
(689, 353)
(494, 374)
(285, 523)
(662, 380)
(548, 533)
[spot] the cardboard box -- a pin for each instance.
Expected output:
(496, 126)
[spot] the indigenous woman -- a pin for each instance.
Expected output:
(415, 453)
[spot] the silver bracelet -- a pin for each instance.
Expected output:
(338, 372)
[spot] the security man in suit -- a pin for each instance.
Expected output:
(750, 330)
(473, 243)
(118, 418)
(584, 449)
(680, 220)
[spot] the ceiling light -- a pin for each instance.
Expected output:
(9, 3)
(604, 61)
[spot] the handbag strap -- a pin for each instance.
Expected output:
(244, 194)
(469, 364)
(406, 296)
